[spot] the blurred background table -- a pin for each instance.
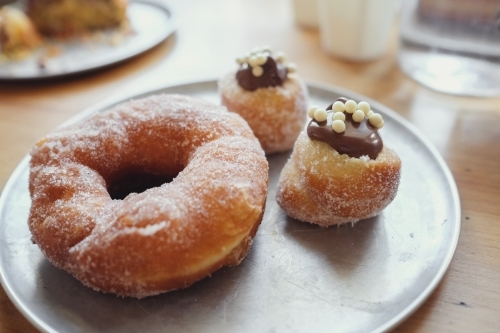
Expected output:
(211, 34)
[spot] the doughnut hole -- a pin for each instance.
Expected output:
(354, 188)
(276, 114)
(293, 197)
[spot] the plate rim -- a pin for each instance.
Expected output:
(311, 84)
(423, 296)
(172, 27)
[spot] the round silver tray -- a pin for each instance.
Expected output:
(151, 23)
(297, 277)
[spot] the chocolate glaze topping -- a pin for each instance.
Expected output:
(274, 75)
(358, 139)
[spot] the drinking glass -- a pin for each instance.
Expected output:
(452, 46)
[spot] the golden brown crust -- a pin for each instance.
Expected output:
(276, 114)
(319, 185)
(18, 35)
(65, 18)
(166, 237)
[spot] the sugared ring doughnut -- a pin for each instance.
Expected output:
(168, 236)
(339, 171)
(269, 95)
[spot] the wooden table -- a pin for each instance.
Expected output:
(211, 34)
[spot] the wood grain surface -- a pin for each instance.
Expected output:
(466, 132)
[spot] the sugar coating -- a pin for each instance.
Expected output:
(320, 186)
(275, 114)
(166, 237)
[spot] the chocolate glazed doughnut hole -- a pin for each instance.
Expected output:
(340, 170)
(267, 92)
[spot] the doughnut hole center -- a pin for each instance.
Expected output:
(136, 181)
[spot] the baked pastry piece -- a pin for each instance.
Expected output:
(269, 95)
(17, 34)
(339, 171)
(65, 18)
(205, 189)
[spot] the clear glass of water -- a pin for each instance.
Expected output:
(452, 46)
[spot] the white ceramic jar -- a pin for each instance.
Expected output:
(306, 13)
(357, 30)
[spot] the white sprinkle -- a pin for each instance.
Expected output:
(252, 61)
(350, 106)
(261, 59)
(358, 116)
(241, 60)
(364, 106)
(311, 110)
(338, 126)
(257, 71)
(320, 115)
(376, 119)
(338, 106)
(339, 116)
(280, 57)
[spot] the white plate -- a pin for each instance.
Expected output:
(151, 22)
(297, 277)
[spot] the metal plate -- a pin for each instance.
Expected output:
(297, 277)
(151, 23)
